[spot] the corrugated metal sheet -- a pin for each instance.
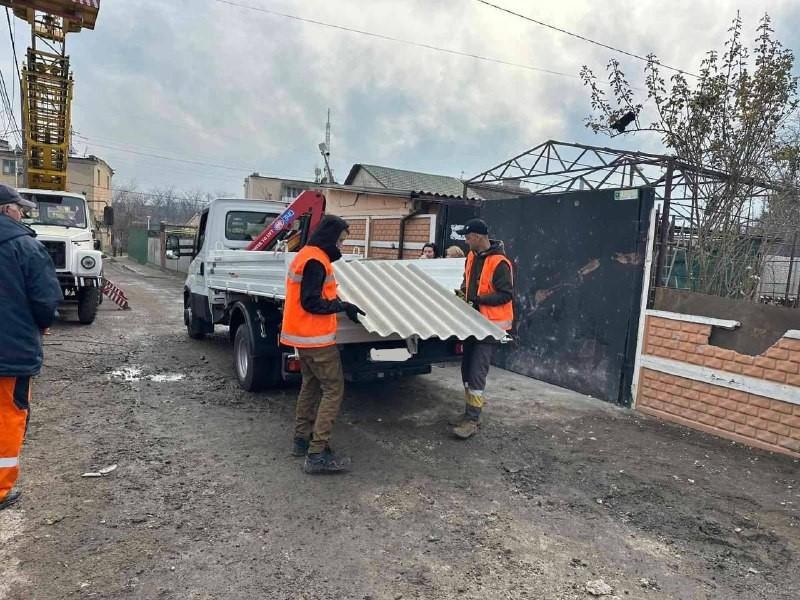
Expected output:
(400, 299)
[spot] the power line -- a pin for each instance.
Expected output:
(6, 101)
(13, 44)
(163, 157)
(389, 38)
(581, 37)
(130, 150)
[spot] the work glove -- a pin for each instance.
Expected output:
(352, 311)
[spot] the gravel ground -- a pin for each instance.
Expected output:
(556, 491)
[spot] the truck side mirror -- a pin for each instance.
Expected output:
(97, 244)
(108, 216)
(173, 243)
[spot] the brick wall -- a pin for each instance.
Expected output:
(358, 228)
(385, 230)
(682, 388)
(386, 233)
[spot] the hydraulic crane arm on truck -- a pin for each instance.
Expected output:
(413, 317)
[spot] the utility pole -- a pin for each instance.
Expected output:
(325, 150)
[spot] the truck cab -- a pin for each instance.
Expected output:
(227, 224)
(63, 223)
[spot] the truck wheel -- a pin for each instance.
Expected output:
(88, 301)
(253, 372)
(196, 327)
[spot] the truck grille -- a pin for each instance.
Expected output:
(57, 252)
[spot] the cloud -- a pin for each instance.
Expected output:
(218, 84)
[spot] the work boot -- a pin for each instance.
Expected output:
(325, 462)
(456, 420)
(10, 498)
(299, 446)
(466, 429)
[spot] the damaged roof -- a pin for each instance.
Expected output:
(401, 299)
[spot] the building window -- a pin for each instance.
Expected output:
(291, 192)
(108, 182)
(98, 177)
(9, 167)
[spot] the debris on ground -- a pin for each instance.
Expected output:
(598, 587)
(102, 472)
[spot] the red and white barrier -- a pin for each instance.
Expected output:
(115, 294)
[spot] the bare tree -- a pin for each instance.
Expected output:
(729, 118)
(135, 208)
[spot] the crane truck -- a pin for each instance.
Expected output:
(242, 253)
(62, 220)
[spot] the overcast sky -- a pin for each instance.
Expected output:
(205, 81)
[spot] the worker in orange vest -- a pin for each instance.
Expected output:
(309, 324)
(29, 297)
(489, 287)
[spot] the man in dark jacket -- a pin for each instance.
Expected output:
(309, 324)
(29, 297)
(488, 286)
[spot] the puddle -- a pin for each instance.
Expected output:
(127, 373)
(166, 377)
(130, 374)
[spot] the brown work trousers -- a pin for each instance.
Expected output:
(320, 395)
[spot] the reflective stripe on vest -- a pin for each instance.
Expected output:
(299, 339)
(8, 463)
(503, 315)
(301, 328)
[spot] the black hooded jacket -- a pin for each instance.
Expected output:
(501, 280)
(325, 237)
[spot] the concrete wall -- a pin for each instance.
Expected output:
(274, 188)
(761, 324)
(154, 251)
(347, 202)
(752, 399)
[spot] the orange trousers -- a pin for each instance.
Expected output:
(15, 396)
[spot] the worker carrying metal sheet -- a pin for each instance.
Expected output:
(489, 287)
(309, 324)
(28, 302)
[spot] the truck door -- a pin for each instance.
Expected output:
(197, 268)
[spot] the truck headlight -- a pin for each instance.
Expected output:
(88, 263)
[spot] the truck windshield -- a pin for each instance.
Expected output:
(244, 226)
(65, 211)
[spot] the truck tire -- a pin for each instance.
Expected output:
(253, 372)
(195, 326)
(88, 301)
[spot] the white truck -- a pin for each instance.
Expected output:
(63, 223)
(413, 318)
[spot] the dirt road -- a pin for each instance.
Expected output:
(206, 502)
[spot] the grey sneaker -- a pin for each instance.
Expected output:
(10, 498)
(299, 446)
(325, 462)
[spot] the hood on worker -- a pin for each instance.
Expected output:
(326, 235)
(497, 247)
(11, 229)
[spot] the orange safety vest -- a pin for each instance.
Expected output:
(301, 328)
(503, 315)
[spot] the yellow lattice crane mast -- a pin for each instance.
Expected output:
(47, 85)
